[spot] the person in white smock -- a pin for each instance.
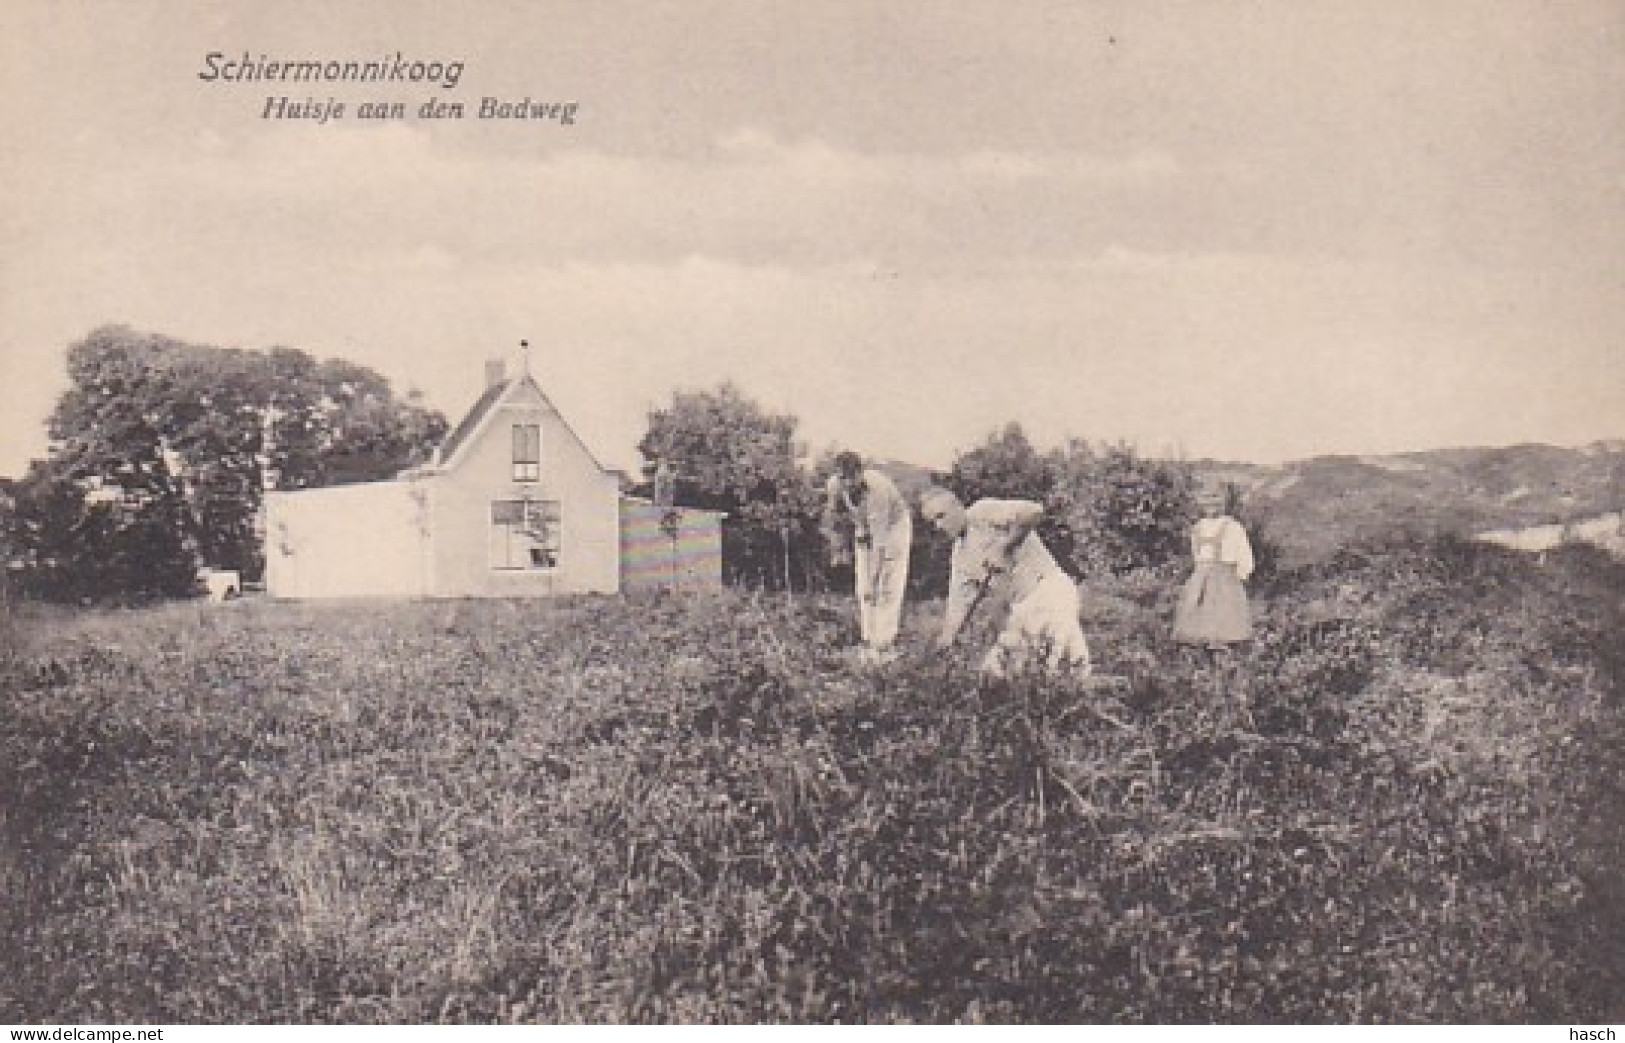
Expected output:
(866, 503)
(998, 557)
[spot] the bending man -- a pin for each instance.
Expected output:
(998, 556)
(881, 531)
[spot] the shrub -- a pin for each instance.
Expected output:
(695, 809)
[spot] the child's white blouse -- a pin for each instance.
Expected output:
(1231, 546)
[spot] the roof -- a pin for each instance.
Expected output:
(487, 404)
(644, 501)
(463, 430)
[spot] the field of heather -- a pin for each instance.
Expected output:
(1404, 803)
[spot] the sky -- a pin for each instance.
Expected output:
(1253, 231)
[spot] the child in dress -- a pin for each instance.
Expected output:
(1213, 608)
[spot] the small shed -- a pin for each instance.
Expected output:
(669, 547)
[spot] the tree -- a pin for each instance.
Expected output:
(1005, 465)
(62, 541)
(729, 454)
(172, 444)
(1123, 511)
(1106, 509)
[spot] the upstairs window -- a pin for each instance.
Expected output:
(524, 534)
(527, 452)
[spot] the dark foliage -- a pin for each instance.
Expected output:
(161, 449)
(728, 454)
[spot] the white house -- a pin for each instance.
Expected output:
(512, 505)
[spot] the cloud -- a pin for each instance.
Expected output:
(902, 302)
(343, 192)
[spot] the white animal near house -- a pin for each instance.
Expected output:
(221, 584)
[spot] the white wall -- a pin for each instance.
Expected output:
(368, 540)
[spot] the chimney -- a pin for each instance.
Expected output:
(494, 374)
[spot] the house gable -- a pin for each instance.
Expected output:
(520, 396)
(522, 507)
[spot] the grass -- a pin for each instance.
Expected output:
(1400, 805)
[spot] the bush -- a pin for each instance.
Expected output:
(1126, 512)
(1108, 510)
